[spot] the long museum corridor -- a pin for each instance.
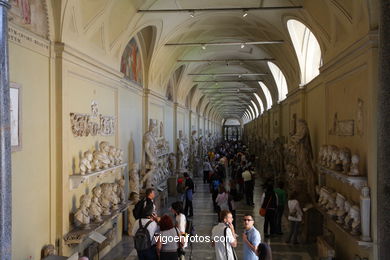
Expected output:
(108, 104)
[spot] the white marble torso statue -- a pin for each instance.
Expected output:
(150, 144)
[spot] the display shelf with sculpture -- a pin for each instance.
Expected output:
(346, 216)
(77, 179)
(358, 182)
(107, 159)
(107, 202)
(341, 165)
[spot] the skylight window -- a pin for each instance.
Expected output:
(267, 94)
(256, 109)
(260, 102)
(307, 49)
(280, 81)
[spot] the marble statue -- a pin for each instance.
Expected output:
(121, 191)
(345, 159)
(150, 145)
(100, 160)
(48, 250)
(85, 163)
(115, 200)
(335, 161)
(340, 211)
(105, 198)
(355, 216)
(354, 165)
(118, 156)
(111, 155)
(347, 219)
(331, 205)
(134, 183)
(304, 155)
(82, 214)
(172, 162)
(194, 143)
(149, 180)
(95, 209)
(182, 152)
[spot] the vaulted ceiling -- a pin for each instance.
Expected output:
(102, 28)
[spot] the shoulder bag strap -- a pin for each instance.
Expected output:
(178, 242)
(224, 234)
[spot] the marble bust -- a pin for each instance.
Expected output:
(48, 250)
(105, 198)
(347, 219)
(115, 201)
(355, 216)
(81, 216)
(95, 209)
(134, 183)
(340, 210)
(85, 163)
(354, 165)
(121, 191)
(345, 159)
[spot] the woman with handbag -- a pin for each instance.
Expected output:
(268, 210)
(295, 217)
(167, 247)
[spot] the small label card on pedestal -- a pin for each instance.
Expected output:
(95, 236)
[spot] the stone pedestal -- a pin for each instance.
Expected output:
(172, 181)
(365, 214)
(312, 228)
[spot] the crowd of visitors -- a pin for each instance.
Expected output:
(230, 172)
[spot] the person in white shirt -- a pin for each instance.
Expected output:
(224, 237)
(206, 170)
(248, 186)
(181, 221)
(147, 216)
(295, 218)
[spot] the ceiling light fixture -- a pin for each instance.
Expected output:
(213, 10)
(192, 13)
(203, 46)
(245, 13)
(264, 42)
(222, 74)
(242, 45)
(239, 61)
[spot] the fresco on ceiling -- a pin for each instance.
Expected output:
(131, 63)
(169, 93)
(29, 14)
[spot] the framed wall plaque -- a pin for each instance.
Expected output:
(16, 116)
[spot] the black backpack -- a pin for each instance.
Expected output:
(142, 237)
(138, 208)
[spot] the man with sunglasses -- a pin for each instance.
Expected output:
(251, 238)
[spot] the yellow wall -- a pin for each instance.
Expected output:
(337, 89)
(31, 166)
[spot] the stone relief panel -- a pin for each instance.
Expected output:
(92, 124)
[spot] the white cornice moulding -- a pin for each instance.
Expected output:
(27, 39)
(73, 55)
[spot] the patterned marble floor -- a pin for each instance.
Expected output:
(204, 219)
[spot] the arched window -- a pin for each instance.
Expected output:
(256, 109)
(280, 80)
(307, 48)
(260, 102)
(267, 94)
(252, 112)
